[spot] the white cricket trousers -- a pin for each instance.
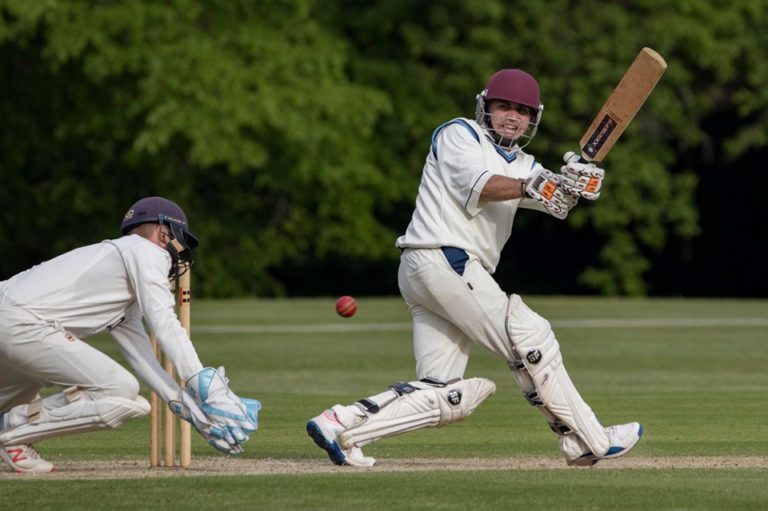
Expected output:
(451, 311)
(35, 353)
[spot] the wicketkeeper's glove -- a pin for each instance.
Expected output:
(222, 418)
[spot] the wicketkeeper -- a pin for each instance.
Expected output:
(475, 178)
(46, 311)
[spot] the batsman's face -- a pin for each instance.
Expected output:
(509, 119)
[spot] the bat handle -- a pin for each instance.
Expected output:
(571, 157)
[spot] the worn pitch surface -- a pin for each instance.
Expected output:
(137, 468)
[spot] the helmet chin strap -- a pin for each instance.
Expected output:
(501, 141)
(506, 144)
(483, 118)
(175, 249)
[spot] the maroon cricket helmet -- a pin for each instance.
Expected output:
(513, 85)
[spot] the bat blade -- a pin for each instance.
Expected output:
(622, 105)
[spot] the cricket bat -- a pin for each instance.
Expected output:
(622, 105)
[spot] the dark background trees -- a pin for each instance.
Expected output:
(293, 133)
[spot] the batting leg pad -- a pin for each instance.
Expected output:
(79, 413)
(417, 405)
(538, 350)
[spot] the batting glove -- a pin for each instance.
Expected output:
(546, 187)
(581, 179)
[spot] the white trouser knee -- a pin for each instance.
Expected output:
(412, 406)
(71, 411)
(540, 365)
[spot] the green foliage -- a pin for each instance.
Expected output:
(295, 130)
(240, 111)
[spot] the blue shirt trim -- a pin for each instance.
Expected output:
(444, 125)
(509, 157)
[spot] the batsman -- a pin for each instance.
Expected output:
(113, 286)
(475, 178)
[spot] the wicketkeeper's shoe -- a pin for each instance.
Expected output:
(622, 438)
(24, 458)
(325, 430)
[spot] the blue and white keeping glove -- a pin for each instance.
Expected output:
(224, 419)
(188, 409)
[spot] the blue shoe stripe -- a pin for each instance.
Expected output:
(333, 449)
(613, 450)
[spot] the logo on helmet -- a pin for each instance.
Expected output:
(128, 215)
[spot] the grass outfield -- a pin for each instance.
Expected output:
(692, 371)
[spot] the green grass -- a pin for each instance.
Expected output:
(699, 391)
(529, 490)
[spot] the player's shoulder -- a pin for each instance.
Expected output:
(131, 241)
(460, 126)
(457, 132)
(139, 248)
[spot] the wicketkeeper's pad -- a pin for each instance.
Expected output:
(71, 411)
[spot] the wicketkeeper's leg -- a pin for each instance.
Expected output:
(99, 392)
(71, 411)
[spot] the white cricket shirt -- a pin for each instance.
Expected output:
(110, 286)
(448, 208)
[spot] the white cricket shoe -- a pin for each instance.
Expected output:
(24, 458)
(622, 438)
(325, 430)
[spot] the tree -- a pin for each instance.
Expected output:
(578, 51)
(294, 131)
(239, 110)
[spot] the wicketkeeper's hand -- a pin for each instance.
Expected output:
(581, 179)
(188, 409)
(227, 420)
(546, 187)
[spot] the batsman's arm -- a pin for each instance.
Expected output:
(500, 188)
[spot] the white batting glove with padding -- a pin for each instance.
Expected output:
(232, 419)
(546, 187)
(581, 179)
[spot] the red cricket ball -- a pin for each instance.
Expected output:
(346, 306)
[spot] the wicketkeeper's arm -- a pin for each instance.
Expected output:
(135, 346)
